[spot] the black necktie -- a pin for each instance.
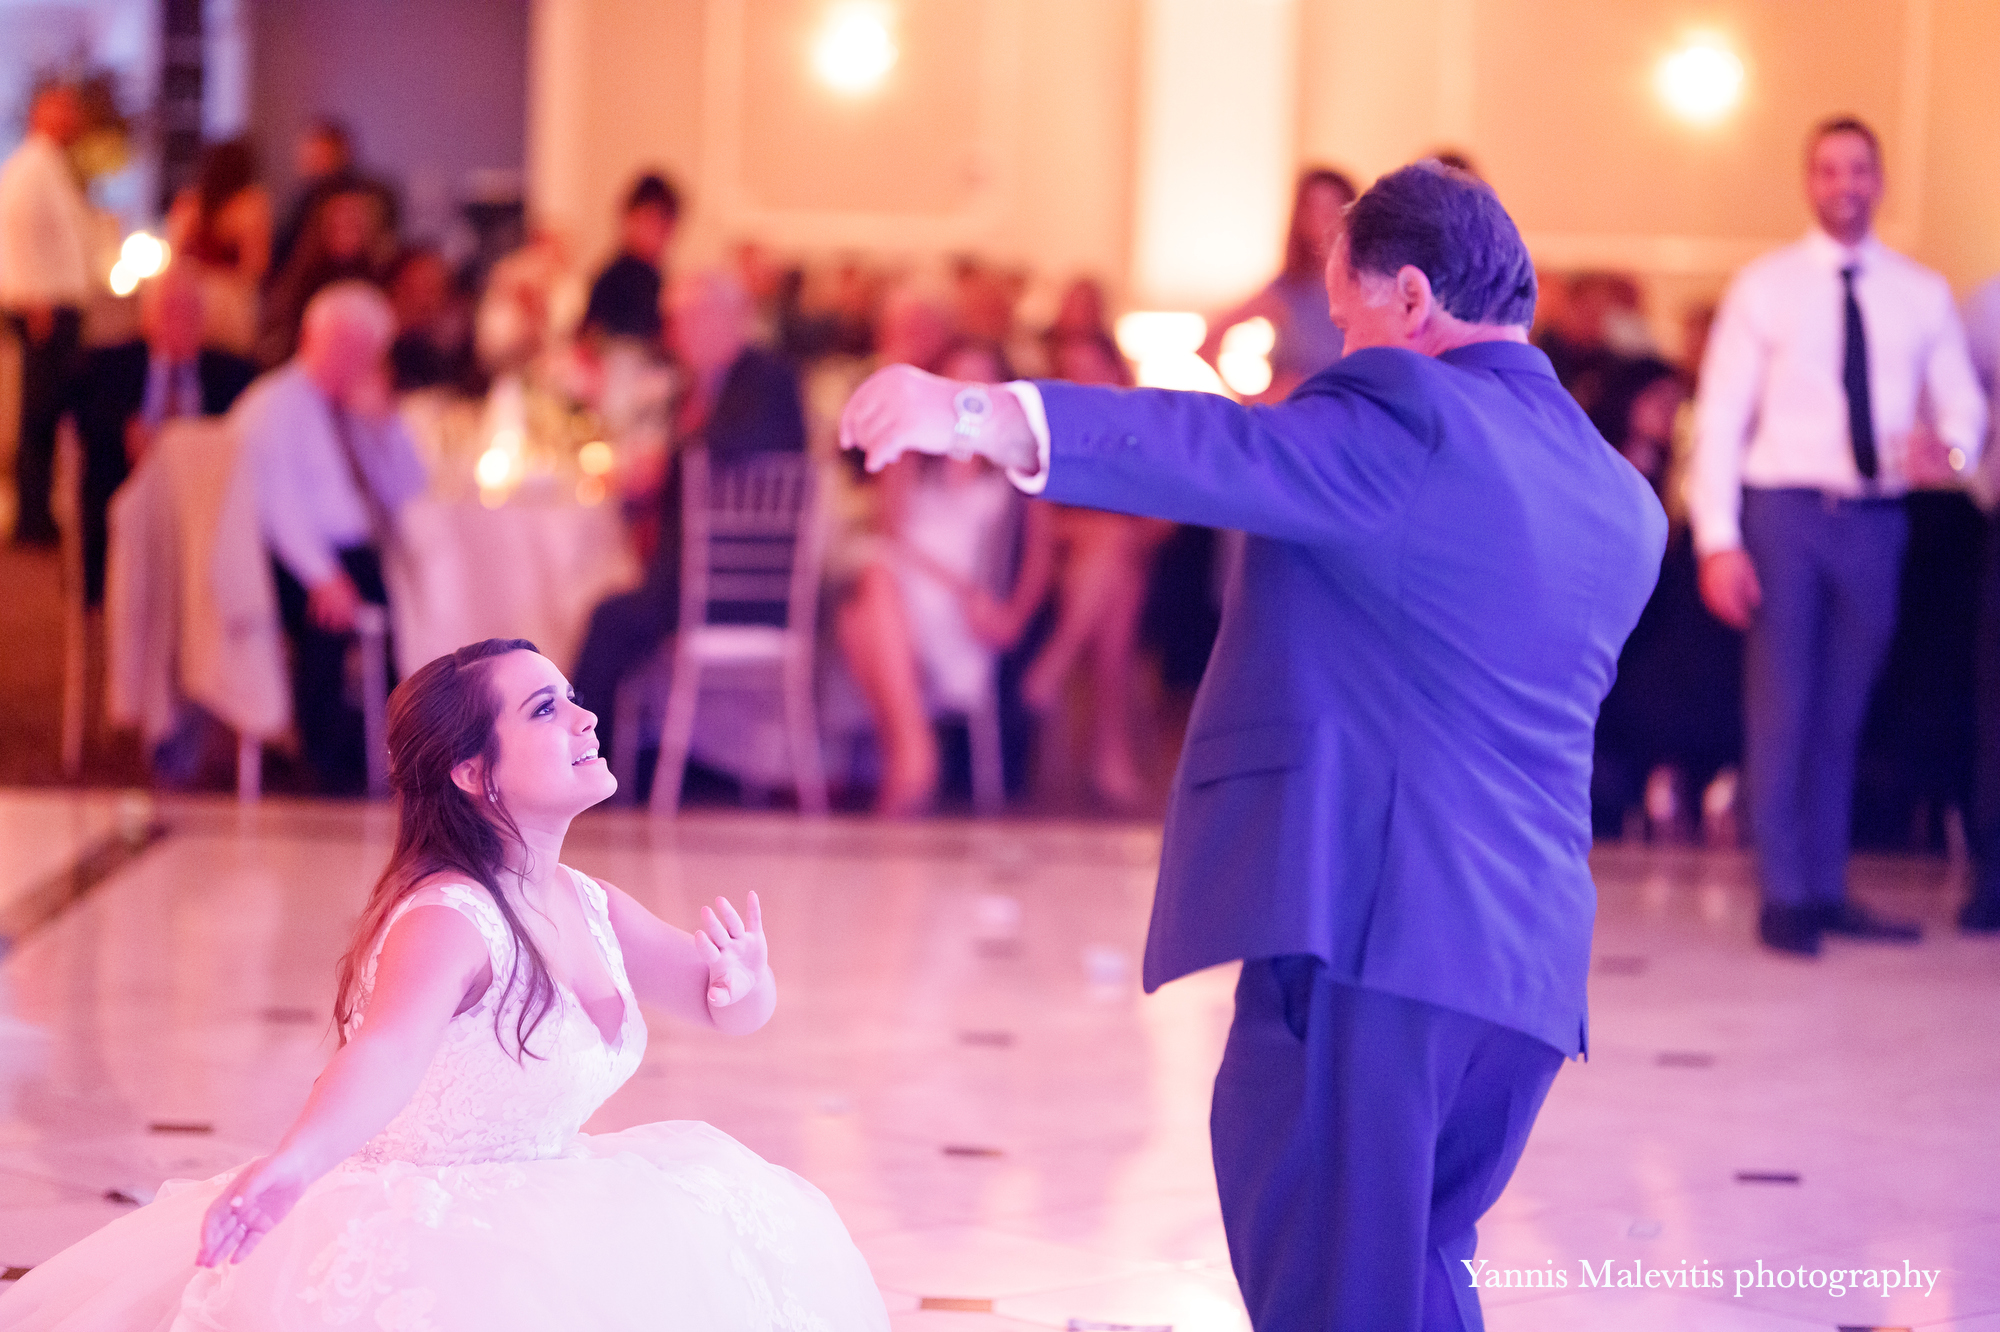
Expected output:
(1854, 378)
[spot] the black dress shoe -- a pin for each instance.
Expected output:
(1982, 914)
(1793, 930)
(1853, 921)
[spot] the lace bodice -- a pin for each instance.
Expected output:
(477, 1102)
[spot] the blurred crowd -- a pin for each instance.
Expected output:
(947, 595)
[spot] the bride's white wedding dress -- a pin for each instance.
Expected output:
(481, 1206)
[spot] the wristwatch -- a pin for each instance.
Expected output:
(974, 409)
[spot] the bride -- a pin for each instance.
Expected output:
(436, 1180)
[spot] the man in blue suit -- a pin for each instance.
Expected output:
(1383, 806)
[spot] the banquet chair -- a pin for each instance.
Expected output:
(191, 614)
(753, 534)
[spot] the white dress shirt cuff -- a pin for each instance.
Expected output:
(1030, 399)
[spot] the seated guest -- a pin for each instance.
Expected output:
(1105, 560)
(740, 401)
(924, 620)
(625, 299)
(433, 346)
(222, 224)
(332, 465)
(1575, 333)
(324, 162)
(912, 327)
(123, 394)
(528, 307)
(1677, 699)
(347, 239)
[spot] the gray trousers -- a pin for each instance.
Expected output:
(1830, 571)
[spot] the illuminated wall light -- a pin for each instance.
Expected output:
(1146, 333)
(1165, 346)
(1702, 82)
(855, 51)
(142, 256)
(596, 458)
(1245, 359)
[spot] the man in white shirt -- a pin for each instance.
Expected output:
(45, 279)
(332, 464)
(1836, 379)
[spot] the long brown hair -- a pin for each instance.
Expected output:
(1305, 253)
(438, 718)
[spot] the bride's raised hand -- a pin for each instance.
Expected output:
(734, 948)
(259, 1197)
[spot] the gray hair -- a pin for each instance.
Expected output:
(1449, 224)
(351, 304)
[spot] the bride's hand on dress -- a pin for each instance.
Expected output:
(256, 1199)
(734, 948)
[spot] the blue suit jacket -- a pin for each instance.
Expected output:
(1388, 765)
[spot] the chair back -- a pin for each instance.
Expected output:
(753, 535)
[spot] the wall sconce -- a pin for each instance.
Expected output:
(855, 50)
(1702, 82)
(1245, 359)
(1165, 345)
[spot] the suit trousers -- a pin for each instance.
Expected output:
(326, 696)
(1830, 571)
(46, 370)
(1985, 819)
(1359, 1137)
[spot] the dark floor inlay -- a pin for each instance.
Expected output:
(957, 1149)
(179, 1126)
(1767, 1177)
(290, 1016)
(46, 900)
(998, 1040)
(13, 1274)
(1684, 1059)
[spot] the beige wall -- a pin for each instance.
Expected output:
(1028, 145)
(1007, 128)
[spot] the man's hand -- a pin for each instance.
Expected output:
(1927, 459)
(1729, 587)
(900, 410)
(331, 604)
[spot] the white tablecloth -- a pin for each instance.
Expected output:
(528, 569)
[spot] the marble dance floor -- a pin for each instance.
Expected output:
(1015, 1135)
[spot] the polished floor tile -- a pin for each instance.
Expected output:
(1016, 1136)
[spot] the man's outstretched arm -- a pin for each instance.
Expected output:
(1310, 470)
